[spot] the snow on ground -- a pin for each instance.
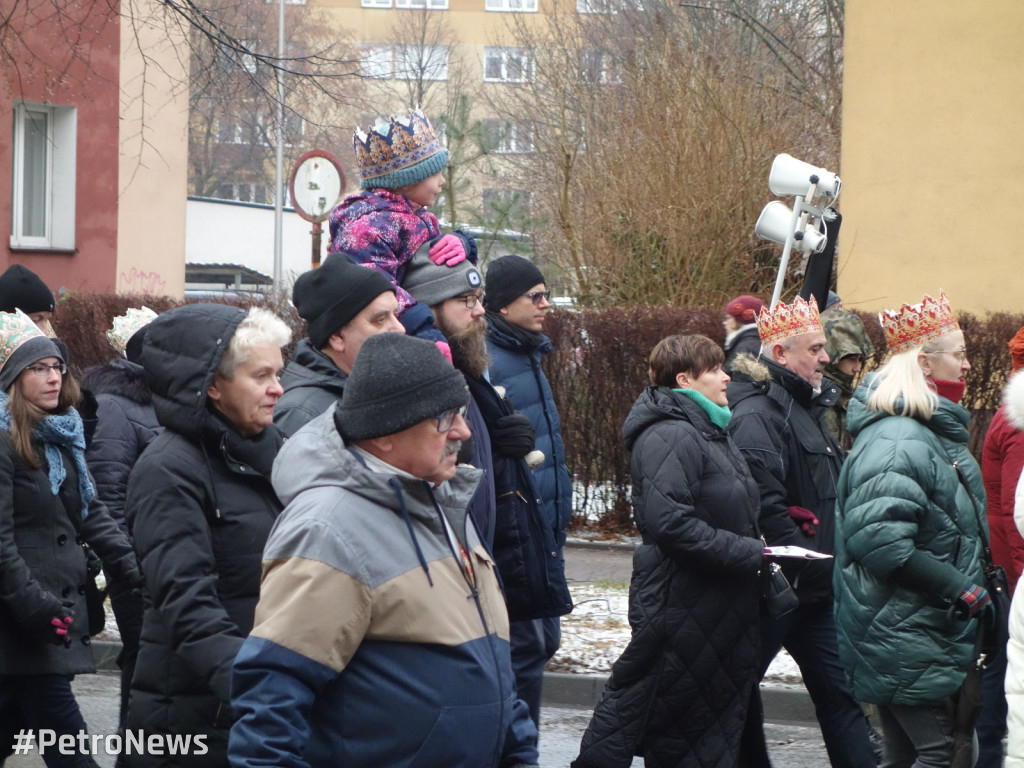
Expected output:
(597, 631)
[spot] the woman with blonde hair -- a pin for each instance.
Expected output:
(909, 594)
(48, 508)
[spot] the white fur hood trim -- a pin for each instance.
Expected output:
(1013, 397)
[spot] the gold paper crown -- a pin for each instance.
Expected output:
(389, 148)
(127, 324)
(782, 321)
(15, 329)
(914, 324)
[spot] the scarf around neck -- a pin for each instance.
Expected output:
(55, 431)
(719, 414)
(529, 339)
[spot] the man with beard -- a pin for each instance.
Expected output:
(529, 559)
(779, 402)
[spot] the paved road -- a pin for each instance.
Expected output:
(561, 729)
(597, 563)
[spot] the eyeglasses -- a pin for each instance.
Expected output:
(44, 370)
(538, 296)
(446, 420)
(471, 299)
(958, 354)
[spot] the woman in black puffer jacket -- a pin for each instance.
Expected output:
(679, 693)
(200, 507)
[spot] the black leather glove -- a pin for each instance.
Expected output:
(513, 435)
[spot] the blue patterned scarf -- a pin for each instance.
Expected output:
(59, 430)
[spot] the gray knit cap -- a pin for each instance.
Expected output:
(431, 284)
(397, 381)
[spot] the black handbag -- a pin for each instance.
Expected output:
(995, 630)
(778, 598)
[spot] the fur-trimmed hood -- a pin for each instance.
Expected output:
(1013, 397)
(752, 366)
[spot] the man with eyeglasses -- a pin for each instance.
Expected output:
(343, 304)
(507, 504)
(517, 300)
(381, 637)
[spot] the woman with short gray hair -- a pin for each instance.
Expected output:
(200, 507)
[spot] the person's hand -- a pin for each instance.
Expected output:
(61, 633)
(806, 519)
(448, 251)
(972, 600)
(513, 435)
(445, 350)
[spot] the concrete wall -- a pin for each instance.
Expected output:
(931, 157)
(153, 171)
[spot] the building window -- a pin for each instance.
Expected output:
(244, 192)
(43, 176)
(512, 6)
(376, 3)
(508, 138)
(421, 62)
(434, 5)
(377, 61)
(598, 68)
(508, 65)
(506, 201)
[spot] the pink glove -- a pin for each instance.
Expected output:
(806, 519)
(62, 627)
(445, 349)
(448, 251)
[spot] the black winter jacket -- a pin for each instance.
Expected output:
(678, 695)
(43, 568)
(126, 424)
(312, 384)
(530, 562)
(200, 507)
(746, 341)
(778, 424)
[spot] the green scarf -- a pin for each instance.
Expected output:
(719, 414)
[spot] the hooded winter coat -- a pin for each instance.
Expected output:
(200, 507)
(845, 336)
(744, 340)
(678, 695)
(372, 647)
(907, 543)
(516, 365)
(1002, 460)
(312, 384)
(777, 423)
(126, 424)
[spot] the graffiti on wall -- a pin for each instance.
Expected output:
(140, 281)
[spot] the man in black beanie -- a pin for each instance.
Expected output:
(23, 289)
(517, 300)
(381, 637)
(343, 304)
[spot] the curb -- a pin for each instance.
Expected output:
(782, 704)
(625, 546)
(567, 691)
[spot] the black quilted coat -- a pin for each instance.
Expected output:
(678, 694)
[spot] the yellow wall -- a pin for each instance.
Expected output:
(932, 158)
(153, 169)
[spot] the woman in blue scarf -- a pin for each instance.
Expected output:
(48, 513)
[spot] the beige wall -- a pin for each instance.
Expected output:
(932, 155)
(153, 168)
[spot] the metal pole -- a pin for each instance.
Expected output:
(279, 175)
(784, 261)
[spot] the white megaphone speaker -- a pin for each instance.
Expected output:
(776, 224)
(790, 176)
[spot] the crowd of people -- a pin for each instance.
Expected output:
(355, 558)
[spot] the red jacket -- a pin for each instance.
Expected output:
(1001, 463)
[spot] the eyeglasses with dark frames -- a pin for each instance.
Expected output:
(446, 420)
(41, 369)
(471, 299)
(538, 296)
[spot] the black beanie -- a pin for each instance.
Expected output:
(397, 381)
(23, 289)
(508, 278)
(328, 297)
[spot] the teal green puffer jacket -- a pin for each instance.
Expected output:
(907, 542)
